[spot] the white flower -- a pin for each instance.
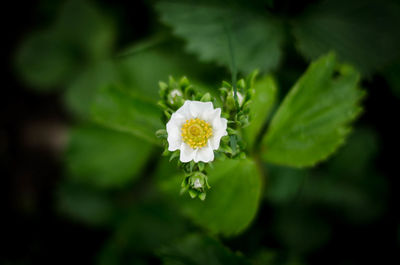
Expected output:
(196, 129)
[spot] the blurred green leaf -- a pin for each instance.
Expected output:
(392, 75)
(87, 30)
(299, 230)
(362, 32)
(81, 92)
(139, 72)
(85, 205)
(148, 226)
(274, 257)
(284, 183)
(350, 185)
(256, 39)
(314, 118)
(105, 158)
(232, 201)
(199, 249)
(51, 58)
(44, 61)
(347, 185)
(356, 158)
(126, 111)
(262, 103)
(144, 70)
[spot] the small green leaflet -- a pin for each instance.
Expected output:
(314, 118)
(256, 39)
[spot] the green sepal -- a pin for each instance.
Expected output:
(162, 133)
(184, 82)
(166, 152)
(226, 85)
(201, 166)
(174, 155)
(167, 114)
(231, 131)
(193, 193)
(241, 84)
(206, 97)
(202, 196)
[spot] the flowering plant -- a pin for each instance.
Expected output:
(201, 127)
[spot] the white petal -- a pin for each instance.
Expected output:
(187, 153)
(204, 154)
(211, 115)
(174, 126)
(198, 108)
(174, 139)
(219, 130)
(185, 110)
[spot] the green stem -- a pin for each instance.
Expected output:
(142, 46)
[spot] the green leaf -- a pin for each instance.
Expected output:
(146, 227)
(256, 39)
(292, 225)
(362, 32)
(314, 118)
(52, 57)
(80, 94)
(197, 249)
(144, 70)
(232, 201)
(43, 61)
(86, 29)
(284, 184)
(262, 103)
(85, 205)
(105, 158)
(125, 111)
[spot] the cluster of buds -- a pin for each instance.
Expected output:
(237, 108)
(195, 183)
(174, 94)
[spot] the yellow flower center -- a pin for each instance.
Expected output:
(195, 132)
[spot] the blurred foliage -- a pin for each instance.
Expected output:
(186, 251)
(113, 182)
(362, 32)
(256, 40)
(105, 158)
(392, 75)
(347, 187)
(81, 36)
(85, 204)
(125, 111)
(145, 228)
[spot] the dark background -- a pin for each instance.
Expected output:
(32, 232)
